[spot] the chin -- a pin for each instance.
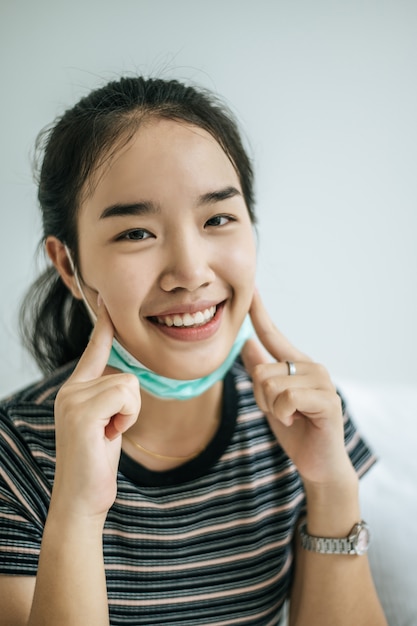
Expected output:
(182, 372)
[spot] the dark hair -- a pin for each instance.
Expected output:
(55, 326)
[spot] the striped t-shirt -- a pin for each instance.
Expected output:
(209, 542)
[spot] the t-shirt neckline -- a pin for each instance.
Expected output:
(201, 464)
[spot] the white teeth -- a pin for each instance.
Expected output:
(178, 320)
(188, 319)
(199, 318)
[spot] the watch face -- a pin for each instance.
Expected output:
(362, 541)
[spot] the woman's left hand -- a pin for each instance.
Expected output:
(304, 411)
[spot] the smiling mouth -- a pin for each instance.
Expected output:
(187, 320)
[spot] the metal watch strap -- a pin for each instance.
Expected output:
(355, 543)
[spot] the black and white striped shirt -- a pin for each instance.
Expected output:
(209, 542)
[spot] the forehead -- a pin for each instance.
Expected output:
(163, 158)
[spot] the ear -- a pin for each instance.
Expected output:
(56, 251)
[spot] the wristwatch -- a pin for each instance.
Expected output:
(357, 542)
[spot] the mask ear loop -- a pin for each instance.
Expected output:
(91, 313)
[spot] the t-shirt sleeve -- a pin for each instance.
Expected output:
(359, 451)
(24, 498)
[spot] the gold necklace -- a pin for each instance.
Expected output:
(165, 457)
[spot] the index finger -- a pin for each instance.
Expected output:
(94, 358)
(271, 338)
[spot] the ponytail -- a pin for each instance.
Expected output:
(54, 326)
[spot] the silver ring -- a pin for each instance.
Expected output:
(292, 370)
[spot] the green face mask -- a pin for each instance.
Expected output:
(163, 387)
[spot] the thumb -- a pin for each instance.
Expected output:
(253, 354)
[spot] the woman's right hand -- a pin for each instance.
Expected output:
(92, 411)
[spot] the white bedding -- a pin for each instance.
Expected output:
(386, 415)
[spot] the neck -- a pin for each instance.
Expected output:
(174, 428)
(181, 413)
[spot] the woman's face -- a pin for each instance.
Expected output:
(166, 240)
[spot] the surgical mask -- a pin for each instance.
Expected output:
(164, 387)
(161, 386)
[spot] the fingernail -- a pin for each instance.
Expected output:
(99, 300)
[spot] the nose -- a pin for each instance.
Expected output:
(188, 264)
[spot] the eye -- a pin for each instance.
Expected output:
(219, 220)
(136, 234)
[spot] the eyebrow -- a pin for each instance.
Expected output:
(132, 208)
(218, 196)
(150, 208)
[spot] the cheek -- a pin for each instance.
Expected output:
(123, 290)
(236, 266)
(240, 264)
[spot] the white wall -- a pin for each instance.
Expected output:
(326, 91)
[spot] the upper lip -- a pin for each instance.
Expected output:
(193, 307)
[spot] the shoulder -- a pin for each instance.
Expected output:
(40, 392)
(34, 403)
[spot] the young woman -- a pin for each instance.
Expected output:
(177, 465)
